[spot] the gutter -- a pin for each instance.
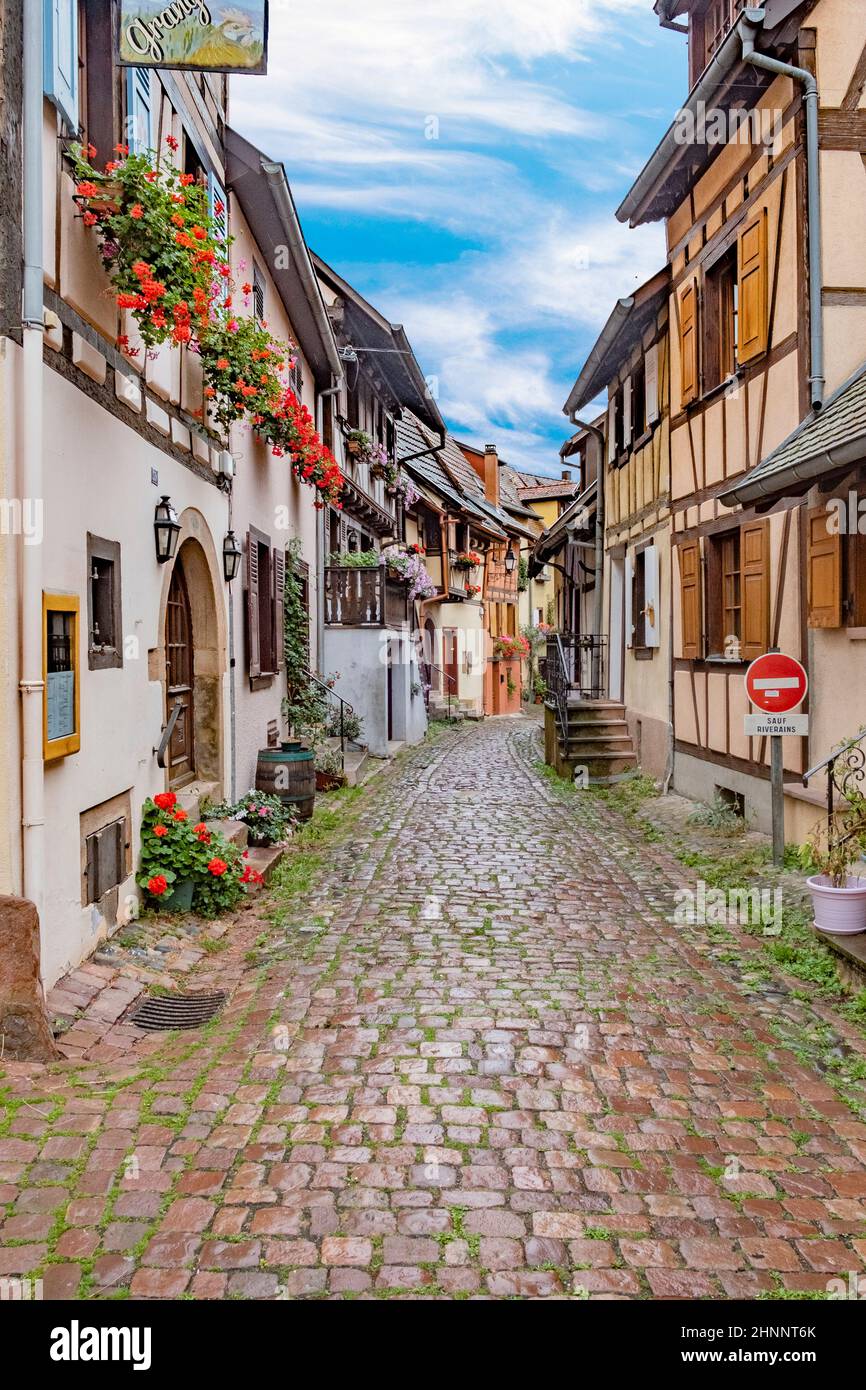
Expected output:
(30, 467)
(598, 596)
(604, 342)
(749, 28)
(774, 485)
(275, 175)
(658, 167)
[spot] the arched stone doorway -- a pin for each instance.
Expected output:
(191, 660)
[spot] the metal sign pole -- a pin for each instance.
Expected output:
(778, 793)
(777, 790)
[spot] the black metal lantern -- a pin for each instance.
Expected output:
(232, 554)
(166, 529)
(510, 561)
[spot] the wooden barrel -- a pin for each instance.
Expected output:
(288, 772)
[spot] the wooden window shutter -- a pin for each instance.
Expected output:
(689, 343)
(139, 115)
(752, 327)
(824, 570)
(611, 431)
(690, 593)
(254, 640)
(651, 387)
(627, 412)
(755, 594)
(278, 643)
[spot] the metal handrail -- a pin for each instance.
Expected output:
(345, 708)
(431, 666)
(854, 772)
(167, 732)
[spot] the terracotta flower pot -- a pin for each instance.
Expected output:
(838, 911)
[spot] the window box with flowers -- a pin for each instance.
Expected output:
(467, 560)
(359, 445)
(186, 867)
(168, 261)
(510, 649)
(410, 568)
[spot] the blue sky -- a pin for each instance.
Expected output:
(460, 164)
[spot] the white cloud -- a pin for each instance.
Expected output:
(518, 154)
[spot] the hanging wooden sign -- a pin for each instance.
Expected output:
(205, 35)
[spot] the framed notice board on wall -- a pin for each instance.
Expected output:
(61, 673)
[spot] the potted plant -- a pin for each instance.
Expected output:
(466, 560)
(185, 867)
(380, 466)
(329, 769)
(359, 444)
(839, 897)
(268, 821)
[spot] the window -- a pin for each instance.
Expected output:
(106, 859)
(60, 44)
(738, 588)
(265, 591)
(642, 617)
(104, 622)
(258, 293)
(139, 132)
(638, 401)
(721, 300)
(61, 730)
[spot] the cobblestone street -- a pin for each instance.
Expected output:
(464, 1054)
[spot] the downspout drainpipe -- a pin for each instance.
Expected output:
(30, 465)
(750, 26)
(598, 596)
(321, 538)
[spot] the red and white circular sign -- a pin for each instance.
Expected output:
(776, 683)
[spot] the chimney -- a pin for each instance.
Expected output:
(566, 475)
(491, 474)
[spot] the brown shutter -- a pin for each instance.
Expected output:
(689, 343)
(752, 331)
(690, 592)
(755, 570)
(278, 643)
(253, 638)
(824, 570)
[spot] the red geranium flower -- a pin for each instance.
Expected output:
(181, 815)
(136, 212)
(165, 801)
(171, 142)
(157, 885)
(217, 867)
(160, 830)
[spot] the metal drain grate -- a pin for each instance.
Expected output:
(167, 1011)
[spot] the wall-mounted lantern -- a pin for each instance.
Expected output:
(166, 529)
(232, 555)
(510, 561)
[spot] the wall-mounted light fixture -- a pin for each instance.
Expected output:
(232, 555)
(166, 529)
(510, 561)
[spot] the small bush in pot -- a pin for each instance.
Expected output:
(268, 821)
(185, 866)
(838, 896)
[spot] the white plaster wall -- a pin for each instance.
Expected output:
(98, 479)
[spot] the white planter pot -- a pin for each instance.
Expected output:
(838, 911)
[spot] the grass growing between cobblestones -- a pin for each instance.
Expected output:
(713, 852)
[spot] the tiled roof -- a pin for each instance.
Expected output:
(412, 436)
(821, 444)
(542, 492)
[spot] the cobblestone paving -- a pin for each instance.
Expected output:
(470, 1057)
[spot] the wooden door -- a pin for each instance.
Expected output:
(431, 671)
(179, 663)
(449, 661)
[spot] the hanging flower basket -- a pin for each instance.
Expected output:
(468, 560)
(168, 260)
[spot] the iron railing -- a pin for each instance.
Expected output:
(452, 682)
(364, 597)
(558, 680)
(345, 709)
(576, 664)
(845, 770)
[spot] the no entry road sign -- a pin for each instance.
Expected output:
(776, 683)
